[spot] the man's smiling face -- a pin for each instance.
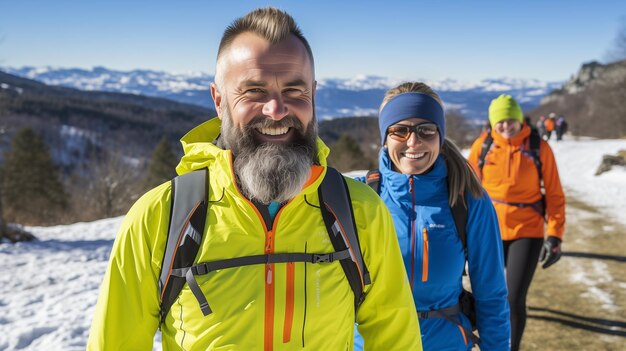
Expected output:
(261, 84)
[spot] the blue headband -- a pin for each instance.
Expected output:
(411, 105)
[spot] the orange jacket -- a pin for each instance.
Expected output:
(549, 124)
(509, 175)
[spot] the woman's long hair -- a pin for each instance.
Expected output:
(461, 176)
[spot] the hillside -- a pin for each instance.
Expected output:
(592, 101)
(100, 141)
(75, 122)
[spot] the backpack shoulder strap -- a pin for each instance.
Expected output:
(534, 143)
(185, 229)
(460, 213)
(336, 208)
(484, 150)
(373, 180)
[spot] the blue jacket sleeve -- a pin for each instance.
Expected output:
(486, 272)
(360, 179)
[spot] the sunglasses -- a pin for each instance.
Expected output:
(402, 132)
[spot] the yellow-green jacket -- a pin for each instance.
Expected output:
(289, 306)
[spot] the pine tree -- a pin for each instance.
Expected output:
(31, 189)
(162, 166)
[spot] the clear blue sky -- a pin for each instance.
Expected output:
(464, 40)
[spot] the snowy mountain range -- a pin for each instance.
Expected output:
(336, 97)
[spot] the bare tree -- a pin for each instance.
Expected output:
(618, 51)
(105, 187)
(114, 187)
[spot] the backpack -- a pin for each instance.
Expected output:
(466, 299)
(189, 198)
(534, 141)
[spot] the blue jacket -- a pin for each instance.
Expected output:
(434, 258)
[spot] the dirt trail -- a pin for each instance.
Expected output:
(580, 303)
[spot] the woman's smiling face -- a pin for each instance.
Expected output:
(415, 155)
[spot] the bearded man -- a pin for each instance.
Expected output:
(266, 164)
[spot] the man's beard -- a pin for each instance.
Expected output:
(270, 172)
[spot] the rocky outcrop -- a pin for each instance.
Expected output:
(592, 101)
(608, 161)
(591, 73)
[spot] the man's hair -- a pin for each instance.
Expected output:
(269, 23)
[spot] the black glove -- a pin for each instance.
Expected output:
(550, 252)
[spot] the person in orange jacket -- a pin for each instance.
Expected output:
(549, 125)
(512, 180)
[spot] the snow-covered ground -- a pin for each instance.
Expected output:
(578, 161)
(48, 288)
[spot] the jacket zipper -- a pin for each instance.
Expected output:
(269, 294)
(413, 217)
(511, 156)
(268, 336)
(425, 255)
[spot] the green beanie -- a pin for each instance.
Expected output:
(504, 107)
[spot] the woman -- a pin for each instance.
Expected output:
(512, 170)
(423, 175)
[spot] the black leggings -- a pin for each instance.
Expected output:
(520, 260)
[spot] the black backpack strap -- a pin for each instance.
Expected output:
(373, 180)
(185, 230)
(336, 208)
(460, 212)
(486, 146)
(534, 143)
(448, 314)
(189, 273)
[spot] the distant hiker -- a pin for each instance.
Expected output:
(425, 182)
(541, 126)
(560, 127)
(519, 172)
(549, 125)
(278, 234)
